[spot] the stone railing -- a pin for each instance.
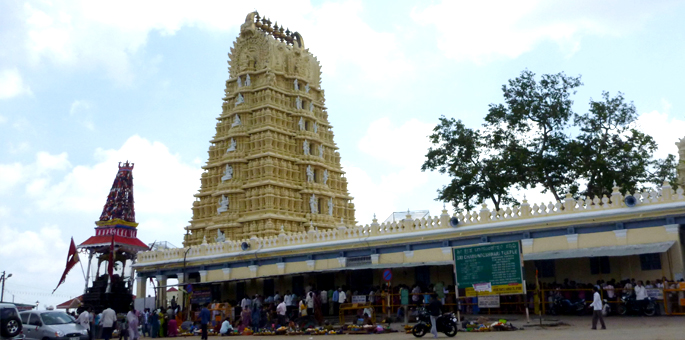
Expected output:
(524, 211)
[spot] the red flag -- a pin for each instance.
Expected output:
(72, 259)
(110, 265)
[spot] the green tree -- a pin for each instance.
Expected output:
(537, 115)
(609, 150)
(665, 170)
(477, 173)
(527, 141)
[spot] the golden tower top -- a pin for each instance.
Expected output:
(273, 166)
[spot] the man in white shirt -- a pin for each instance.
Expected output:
(226, 328)
(324, 302)
(597, 309)
(245, 303)
(309, 301)
(277, 297)
(288, 300)
(109, 318)
(640, 294)
(341, 296)
(84, 320)
(281, 309)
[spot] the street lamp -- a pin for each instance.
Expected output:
(183, 294)
(4, 278)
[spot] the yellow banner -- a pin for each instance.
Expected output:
(497, 290)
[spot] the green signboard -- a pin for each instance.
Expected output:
(496, 264)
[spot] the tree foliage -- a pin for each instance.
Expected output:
(609, 149)
(537, 115)
(534, 138)
(477, 175)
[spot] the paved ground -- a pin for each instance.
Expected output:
(618, 328)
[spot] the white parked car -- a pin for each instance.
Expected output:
(51, 325)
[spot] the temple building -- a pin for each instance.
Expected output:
(273, 165)
(274, 214)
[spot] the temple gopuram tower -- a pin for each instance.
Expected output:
(273, 165)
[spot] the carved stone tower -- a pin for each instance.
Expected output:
(273, 164)
(681, 161)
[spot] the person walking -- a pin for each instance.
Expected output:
(204, 321)
(435, 310)
(84, 320)
(597, 309)
(109, 319)
(97, 326)
(146, 322)
(132, 320)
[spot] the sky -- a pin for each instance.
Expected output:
(87, 84)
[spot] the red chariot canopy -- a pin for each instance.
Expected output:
(120, 241)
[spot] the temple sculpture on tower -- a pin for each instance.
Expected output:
(273, 165)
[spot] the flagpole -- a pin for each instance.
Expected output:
(82, 271)
(90, 258)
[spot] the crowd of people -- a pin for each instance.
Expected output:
(313, 305)
(258, 312)
(158, 323)
(101, 325)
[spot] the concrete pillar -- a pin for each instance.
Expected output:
(203, 275)
(180, 277)
(141, 287)
(161, 290)
(675, 254)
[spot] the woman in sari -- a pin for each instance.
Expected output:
(162, 323)
(318, 314)
(246, 320)
(172, 326)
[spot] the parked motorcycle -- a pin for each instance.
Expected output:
(446, 323)
(629, 305)
(562, 306)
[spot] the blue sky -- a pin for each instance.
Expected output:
(84, 85)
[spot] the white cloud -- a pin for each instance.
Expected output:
(396, 183)
(481, 31)
(665, 130)
(372, 57)
(12, 175)
(103, 34)
(52, 186)
(80, 109)
(12, 85)
(398, 145)
(43, 243)
(164, 185)
(36, 260)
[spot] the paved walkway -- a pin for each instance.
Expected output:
(578, 328)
